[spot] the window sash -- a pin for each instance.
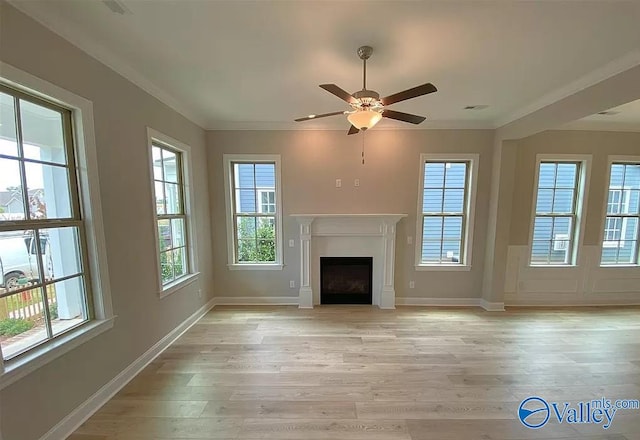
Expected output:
(28, 223)
(258, 213)
(463, 215)
(572, 215)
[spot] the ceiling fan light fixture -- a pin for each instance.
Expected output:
(364, 119)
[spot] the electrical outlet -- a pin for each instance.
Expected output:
(292, 243)
(409, 239)
(356, 182)
(412, 284)
(338, 183)
(292, 284)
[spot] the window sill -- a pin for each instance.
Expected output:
(16, 369)
(553, 266)
(255, 266)
(179, 284)
(619, 266)
(443, 267)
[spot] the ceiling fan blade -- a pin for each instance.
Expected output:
(324, 115)
(404, 117)
(424, 89)
(335, 90)
(353, 130)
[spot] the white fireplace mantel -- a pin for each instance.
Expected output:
(335, 235)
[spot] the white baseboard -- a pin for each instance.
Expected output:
(438, 302)
(255, 300)
(78, 416)
(491, 306)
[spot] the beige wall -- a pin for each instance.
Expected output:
(122, 112)
(312, 161)
(599, 144)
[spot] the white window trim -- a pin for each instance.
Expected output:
(610, 161)
(89, 192)
(187, 181)
(584, 174)
(228, 159)
(466, 253)
(261, 191)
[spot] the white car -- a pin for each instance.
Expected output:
(18, 260)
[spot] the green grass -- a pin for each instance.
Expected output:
(12, 326)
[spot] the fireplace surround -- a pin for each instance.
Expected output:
(348, 235)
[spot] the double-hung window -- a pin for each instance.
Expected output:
(622, 219)
(254, 211)
(170, 196)
(445, 210)
(557, 211)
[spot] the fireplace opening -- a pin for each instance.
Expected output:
(346, 280)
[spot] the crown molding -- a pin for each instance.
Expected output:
(582, 125)
(615, 67)
(108, 58)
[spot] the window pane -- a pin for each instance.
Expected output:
(542, 228)
(174, 202)
(266, 251)
(49, 192)
(159, 195)
(432, 228)
(169, 166)
(547, 176)
(452, 228)
(60, 249)
(265, 175)
(247, 250)
(166, 266)
(23, 324)
(632, 176)
(178, 232)
(156, 154)
(610, 254)
(631, 203)
(432, 201)
(544, 202)
(617, 175)
(434, 175)
(66, 304)
(11, 200)
(243, 173)
(627, 252)
(566, 175)
(179, 262)
(563, 201)
(19, 260)
(540, 251)
(455, 175)
(453, 200)
(246, 201)
(450, 251)
(614, 202)
(8, 144)
(431, 251)
(246, 227)
(164, 234)
(42, 133)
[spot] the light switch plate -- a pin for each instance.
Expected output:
(412, 284)
(338, 183)
(292, 243)
(292, 284)
(409, 239)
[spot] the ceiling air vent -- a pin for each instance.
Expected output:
(475, 107)
(117, 7)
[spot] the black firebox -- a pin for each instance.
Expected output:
(346, 280)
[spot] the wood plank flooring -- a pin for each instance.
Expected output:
(357, 372)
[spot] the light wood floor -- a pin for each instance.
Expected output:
(357, 372)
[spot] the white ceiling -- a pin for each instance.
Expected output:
(626, 118)
(257, 64)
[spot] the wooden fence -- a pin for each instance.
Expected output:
(26, 305)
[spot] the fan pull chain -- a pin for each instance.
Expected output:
(363, 148)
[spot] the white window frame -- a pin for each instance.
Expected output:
(228, 160)
(614, 159)
(582, 187)
(470, 206)
(89, 193)
(262, 191)
(624, 201)
(188, 200)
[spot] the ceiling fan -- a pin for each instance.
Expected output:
(367, 107)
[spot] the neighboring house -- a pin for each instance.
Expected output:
(11, 203)
(263, 199)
